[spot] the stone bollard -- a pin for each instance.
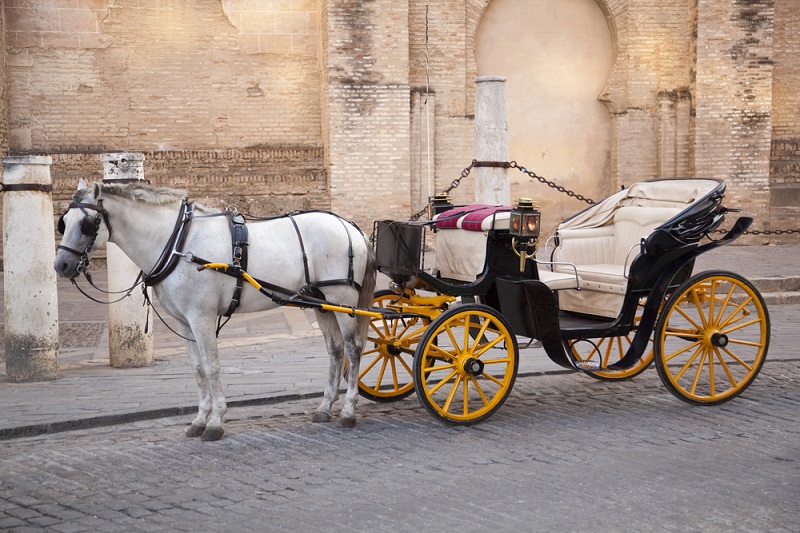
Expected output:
(492, 185)
(31, 296)
(128, 344)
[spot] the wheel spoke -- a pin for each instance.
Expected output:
(740, 326)
(695, 299)
(485, 347)
(436, 351)
(739, 308)
(699, 370)
(452, 394)
(393, 369)
(682, 350)
(725, 303)
(690, 319)
(370, 365)
(688, 363)
(480, 390)
(725, 367)
(738, 359)
(443, 381)
(494, 379)
(478, 338)
(405, 365)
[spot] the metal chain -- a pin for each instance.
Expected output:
(513, 164)
(453, 184)
(552, 185)
(764, 231)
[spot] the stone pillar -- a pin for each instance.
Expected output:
(491, 140)
(31, 297)
(128, 344)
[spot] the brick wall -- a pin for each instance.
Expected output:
(367, 107)
(734, 100)
(208, 89)
(3, 91)
(785, 156)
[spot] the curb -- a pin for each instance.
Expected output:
(166, 412)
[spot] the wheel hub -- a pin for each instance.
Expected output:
(394, 347)
(473, 367)
(719, 340)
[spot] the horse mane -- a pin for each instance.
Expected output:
(141, 192)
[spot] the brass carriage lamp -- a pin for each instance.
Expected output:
(439, 203)
(524, 227)
(525, 219)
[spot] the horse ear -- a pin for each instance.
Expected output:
(97, 190)
(81, 184)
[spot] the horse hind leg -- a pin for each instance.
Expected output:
(353, 346)
(334, 344)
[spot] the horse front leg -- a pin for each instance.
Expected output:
(203, 390)
(213, 406)
(334, 343)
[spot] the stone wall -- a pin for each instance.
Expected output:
(222, 97)
(3, 91)
(363, 94)
(784, 206)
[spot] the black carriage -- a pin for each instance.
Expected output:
(610, 293)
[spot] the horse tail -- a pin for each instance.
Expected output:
(366, 295)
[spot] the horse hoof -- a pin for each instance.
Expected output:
(212, 434)
(195, 431)
(320, 416)
(347, 422)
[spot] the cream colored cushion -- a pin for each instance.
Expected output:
(603, 256)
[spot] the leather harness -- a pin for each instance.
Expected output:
(172, 254)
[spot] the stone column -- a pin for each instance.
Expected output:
(31, 297)
(128, 344)
(491, 140)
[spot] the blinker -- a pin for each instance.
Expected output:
(87, 225)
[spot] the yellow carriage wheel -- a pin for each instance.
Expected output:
(386, 373)
(466, 364)
(609, 350)
(711, 338)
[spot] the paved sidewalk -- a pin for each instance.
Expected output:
(272, 356)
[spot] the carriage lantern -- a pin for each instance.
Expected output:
(524, 226)
(440, 203)
(525, 218)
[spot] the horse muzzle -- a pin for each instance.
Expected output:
(67, 262)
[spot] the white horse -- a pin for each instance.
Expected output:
(307, 250)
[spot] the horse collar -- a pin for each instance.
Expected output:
(171, 254)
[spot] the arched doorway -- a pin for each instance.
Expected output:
(556, 56)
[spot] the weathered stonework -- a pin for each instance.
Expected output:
(212, 91)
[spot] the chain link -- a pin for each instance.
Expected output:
(764, 231)
(552, 185)
(513, 164)
(453, 184)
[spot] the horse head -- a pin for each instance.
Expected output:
(84, 225)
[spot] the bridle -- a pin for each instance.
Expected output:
(90, 227)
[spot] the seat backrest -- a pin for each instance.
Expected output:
(634, 223)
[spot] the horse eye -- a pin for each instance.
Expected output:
(62, 226)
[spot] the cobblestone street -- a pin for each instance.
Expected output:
(566, 453)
